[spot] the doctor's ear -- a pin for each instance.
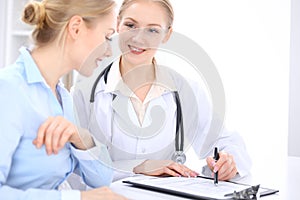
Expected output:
(168, 35)
(75, 26)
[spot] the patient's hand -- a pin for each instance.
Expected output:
(164, 168)
(103, 193)
(55, 132)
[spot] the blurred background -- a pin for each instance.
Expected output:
(255, 47)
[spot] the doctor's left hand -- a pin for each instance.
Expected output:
(55, 132)
(164, 168)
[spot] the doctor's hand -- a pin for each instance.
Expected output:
(225, 166)
(103, 193)
(164, 168)
(55, 132)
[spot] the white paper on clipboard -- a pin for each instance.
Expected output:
(199, 188)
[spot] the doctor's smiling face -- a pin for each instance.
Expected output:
(143, 25)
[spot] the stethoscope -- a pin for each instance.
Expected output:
(179, 155)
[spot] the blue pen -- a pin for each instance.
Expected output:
(216, 157)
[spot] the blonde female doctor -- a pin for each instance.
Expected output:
(147, 114)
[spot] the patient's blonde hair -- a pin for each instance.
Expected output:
(51, 17)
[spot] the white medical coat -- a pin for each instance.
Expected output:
(128, 150)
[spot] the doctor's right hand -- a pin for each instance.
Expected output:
(103, 193)
(164, 168)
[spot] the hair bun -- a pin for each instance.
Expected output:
(34, 14)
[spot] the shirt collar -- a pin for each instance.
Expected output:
(164, 79)
(32, 72)
(114, 77)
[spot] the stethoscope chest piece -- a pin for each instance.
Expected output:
(179, 157)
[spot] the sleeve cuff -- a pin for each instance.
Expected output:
(89, 154)
(124, 168)
(99, 152)
(127, 165)
(70, 195)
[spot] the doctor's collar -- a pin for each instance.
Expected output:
(116, 83)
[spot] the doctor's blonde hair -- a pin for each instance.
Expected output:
(51, 17)
(164, 3)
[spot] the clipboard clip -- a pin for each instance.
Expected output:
(250, 193)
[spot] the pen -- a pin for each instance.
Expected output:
(216, 157)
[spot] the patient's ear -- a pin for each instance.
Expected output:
(75, 26)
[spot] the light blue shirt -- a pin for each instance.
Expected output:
(25, 171)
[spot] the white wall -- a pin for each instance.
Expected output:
(248, 40)
(3, 18)
(294, 112)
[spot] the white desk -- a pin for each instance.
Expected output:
(284, 175)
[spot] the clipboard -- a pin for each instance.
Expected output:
(196, 188)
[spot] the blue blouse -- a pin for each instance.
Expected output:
(27, 172)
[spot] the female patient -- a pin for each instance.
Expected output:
(40, 145)
(142, 26)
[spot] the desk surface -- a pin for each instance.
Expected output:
(284, 176)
